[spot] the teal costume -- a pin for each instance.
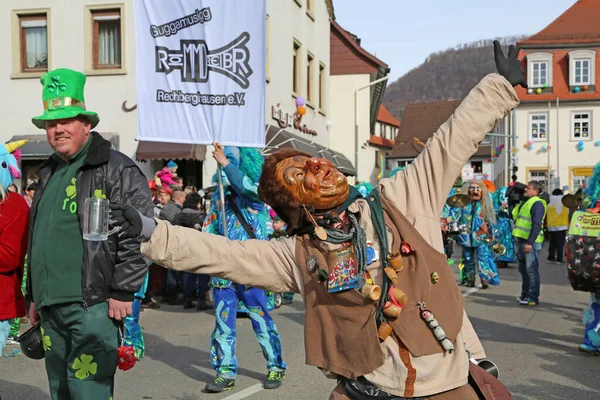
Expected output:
(240, 181)
(476, 252)
(504, 226)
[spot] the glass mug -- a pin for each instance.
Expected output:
(95, 220)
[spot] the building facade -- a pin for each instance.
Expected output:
(383, 139)
(100, 42)
(558, 120)
(354, 114)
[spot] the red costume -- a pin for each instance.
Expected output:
(14, 231)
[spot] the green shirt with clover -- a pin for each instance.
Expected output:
(57, 242)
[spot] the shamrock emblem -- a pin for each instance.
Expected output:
(56, 87)
(84, 366)
(98, 194)
(71, 190)
(46, 341)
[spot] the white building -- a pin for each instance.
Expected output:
(97, 37)
(559, 113)
(353, 68)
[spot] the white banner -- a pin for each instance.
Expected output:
(201, 71)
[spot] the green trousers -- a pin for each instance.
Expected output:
(80, 351)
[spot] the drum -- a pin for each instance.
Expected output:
(454, 228)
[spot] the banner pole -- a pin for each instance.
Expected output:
(222, 198)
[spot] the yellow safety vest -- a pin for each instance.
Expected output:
(523, 222)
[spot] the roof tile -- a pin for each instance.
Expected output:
(419, 122)
(385, 117)
(579, 24)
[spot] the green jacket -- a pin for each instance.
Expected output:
(57, 244)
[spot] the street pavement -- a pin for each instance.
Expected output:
(534, 347)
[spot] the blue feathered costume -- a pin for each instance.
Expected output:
(240, 182)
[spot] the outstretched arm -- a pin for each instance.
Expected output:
(422, 187)
(269, 265)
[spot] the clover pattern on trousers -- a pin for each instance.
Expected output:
(46, 341)
(84, 366)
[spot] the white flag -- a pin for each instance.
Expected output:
(201, 71)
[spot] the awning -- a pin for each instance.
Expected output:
(38, 147)
(169, 151)
(278, 138)
(342, 163)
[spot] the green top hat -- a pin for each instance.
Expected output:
(63, 97)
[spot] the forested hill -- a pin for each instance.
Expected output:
(446, 75)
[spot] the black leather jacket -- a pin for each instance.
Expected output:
(113, 268)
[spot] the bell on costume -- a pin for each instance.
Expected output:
(373, 292)
(395, 261)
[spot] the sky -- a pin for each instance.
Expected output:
(402, 33)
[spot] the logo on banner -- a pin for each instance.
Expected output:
(194, 60)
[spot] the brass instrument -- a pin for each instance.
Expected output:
(499, 249)
(458, 200)
(573, 201)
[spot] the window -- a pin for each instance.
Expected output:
(322, 87)
(381, 130)
(582, 72)
(403, 163)
(540, 74)
(581, 123)
(539, 70)
(309, 78)
(579, 182)
(296, 67)
(106, 39)
(104, 33)
(540, 176)
(538, 127)
(33, 43)
(377, 159)
(582, 68)
(310, 8)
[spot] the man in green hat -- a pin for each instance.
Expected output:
(80, 290)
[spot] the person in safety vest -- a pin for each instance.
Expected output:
(558, 224)
(529, 217)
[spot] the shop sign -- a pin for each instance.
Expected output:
(585, 171)
(286, 120)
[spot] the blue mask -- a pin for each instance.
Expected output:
(9, 169)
